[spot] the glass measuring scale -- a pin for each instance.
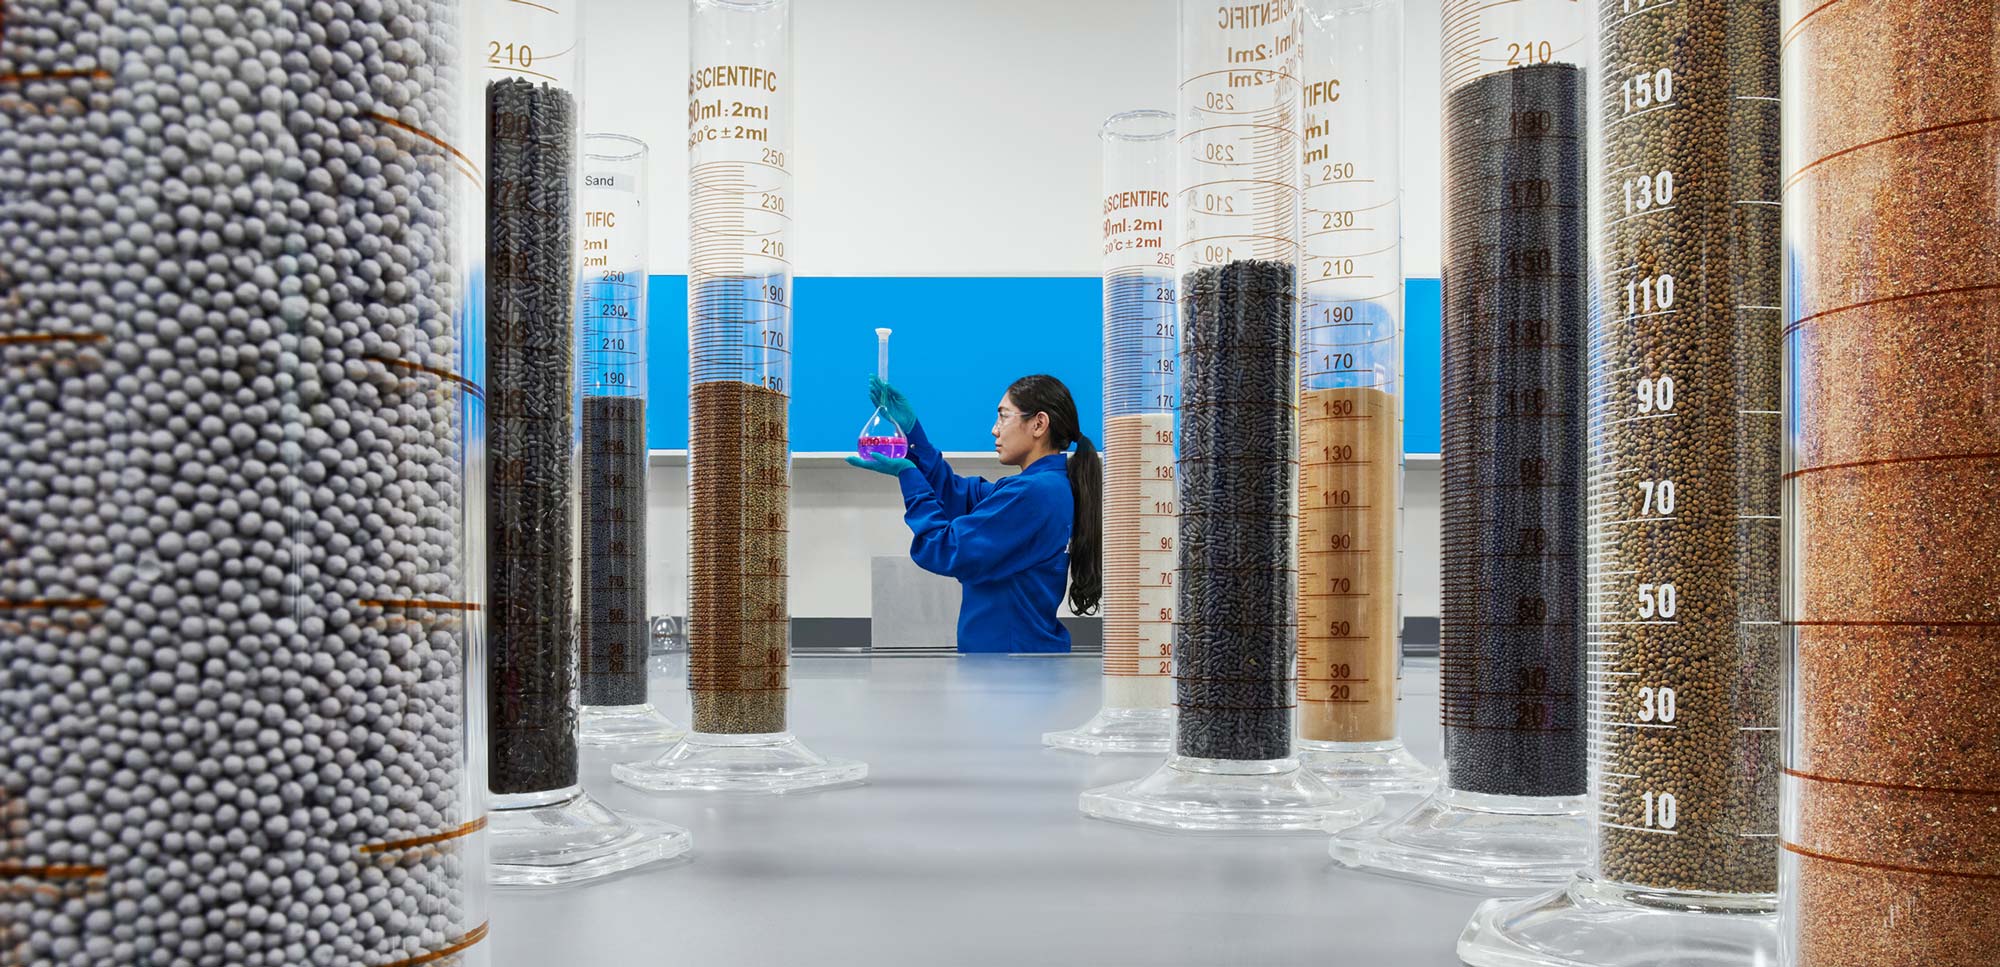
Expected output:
(880, 436)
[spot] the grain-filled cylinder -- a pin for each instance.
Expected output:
(611, 304)
(1239, 155)
(1509, 809)
(1685, 442)
(741, 210)
(1892, 789)
(238, 551)
(544, 828)
(1239, 146)
(1351, 402)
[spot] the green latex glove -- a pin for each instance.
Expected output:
(881, 464)
(892, 401)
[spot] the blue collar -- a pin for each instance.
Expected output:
(1052, 463)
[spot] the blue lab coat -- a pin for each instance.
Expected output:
(1007, 543)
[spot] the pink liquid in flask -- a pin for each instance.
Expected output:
(894, 447)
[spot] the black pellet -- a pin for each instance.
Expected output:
(531, 622)
(614, 557)
(1234, 630)
(1512, 646)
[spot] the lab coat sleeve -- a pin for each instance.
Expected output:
(997, 537)
(955, 494)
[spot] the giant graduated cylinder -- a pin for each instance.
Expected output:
(1684, 449)
(238, 488)
(1140, 387)
(1239, 155)
(543, 827)
(1351, 402)
(1515, 282)
(1238, 150)
(740, 216)
(1892, 790)
(740, 363)
(611, 379)
(531, 88)
(1509, 810)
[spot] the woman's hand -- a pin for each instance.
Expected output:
(881, 464)
(893, 402)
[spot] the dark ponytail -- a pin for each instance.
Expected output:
(1047, 394)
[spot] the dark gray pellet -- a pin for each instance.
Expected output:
(1511, 651)
(1234, 631)
(531, 622)
(614, 558)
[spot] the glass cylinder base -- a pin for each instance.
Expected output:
(1119, 731)
(562, 836)
(1476, 842)
(1230, 796)
(1591, 923)
(1378, 768)
(775, 762)
(625, 727)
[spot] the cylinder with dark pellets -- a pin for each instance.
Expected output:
(613, 666)
(1512, 647)
(531, 622)
(1233, 627)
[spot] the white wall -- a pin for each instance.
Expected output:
(950, 137)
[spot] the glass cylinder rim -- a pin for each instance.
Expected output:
(742, 4)
(619, 147)
(1115, 127)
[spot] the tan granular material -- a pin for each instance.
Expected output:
(1895, 788)
(738, 497)
(1348, 495)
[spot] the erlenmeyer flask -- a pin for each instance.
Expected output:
(880, 436)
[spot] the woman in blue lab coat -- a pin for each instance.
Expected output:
(1009, 543)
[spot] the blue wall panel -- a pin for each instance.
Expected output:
(958, 343)
(1423, 361)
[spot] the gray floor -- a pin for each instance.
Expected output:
(965, 847)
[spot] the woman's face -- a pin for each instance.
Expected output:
(1017, 435)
